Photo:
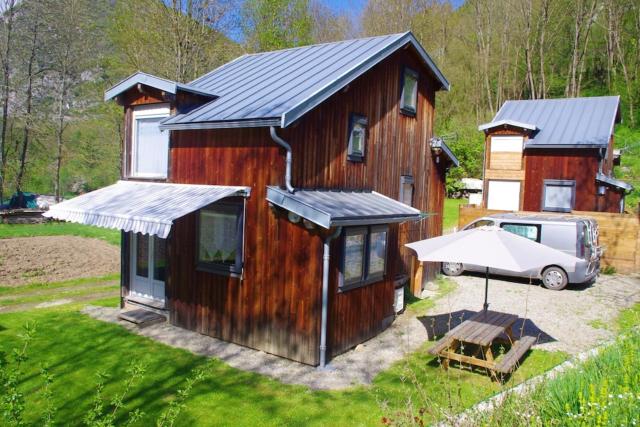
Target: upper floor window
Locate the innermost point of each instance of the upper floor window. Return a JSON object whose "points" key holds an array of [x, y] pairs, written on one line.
{"points": [[220, 237], [357, 137], [149, 146], [406, 190], [409, 97]]}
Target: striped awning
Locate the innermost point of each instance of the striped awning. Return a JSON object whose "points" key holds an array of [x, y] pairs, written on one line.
{"points": [[141, 207]]}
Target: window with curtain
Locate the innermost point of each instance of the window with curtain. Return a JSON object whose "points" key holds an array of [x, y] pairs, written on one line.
{"points": [[409, 96], [220, 237], [149, 145]]}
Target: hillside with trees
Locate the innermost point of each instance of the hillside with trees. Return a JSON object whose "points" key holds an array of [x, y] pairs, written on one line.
{"points": [[57, 136]]}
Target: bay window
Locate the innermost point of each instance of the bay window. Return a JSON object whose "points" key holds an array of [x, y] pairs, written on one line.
{"points": [[364, 256]]}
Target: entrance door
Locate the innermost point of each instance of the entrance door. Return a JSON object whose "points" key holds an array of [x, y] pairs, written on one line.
{"points": [[148, 267]]}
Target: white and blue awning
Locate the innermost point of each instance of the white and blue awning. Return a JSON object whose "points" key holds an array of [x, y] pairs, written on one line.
{"points": [[141, 207]]}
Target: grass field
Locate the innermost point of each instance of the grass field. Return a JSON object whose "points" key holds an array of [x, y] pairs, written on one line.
{"points": [[76, 347], [59, 229], [450, 216]]}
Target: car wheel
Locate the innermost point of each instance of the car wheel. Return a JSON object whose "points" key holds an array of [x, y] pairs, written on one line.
{"points": [[452, 268], [554, 278]]}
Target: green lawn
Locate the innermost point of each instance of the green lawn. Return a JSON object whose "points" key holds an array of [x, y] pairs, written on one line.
{"points": [[59, 229], [450, 216], [76, 347]]}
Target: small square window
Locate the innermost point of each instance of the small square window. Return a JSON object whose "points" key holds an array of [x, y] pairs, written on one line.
{"points": [[406, 190], [357, 138], [558, 195], [220, 237], [409, 95]]}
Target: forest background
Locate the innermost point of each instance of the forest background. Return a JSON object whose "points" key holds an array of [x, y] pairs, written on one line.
{"points": [[57, 57]]}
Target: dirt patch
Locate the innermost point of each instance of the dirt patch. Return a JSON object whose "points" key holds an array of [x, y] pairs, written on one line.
{"points": [[55, 258]]}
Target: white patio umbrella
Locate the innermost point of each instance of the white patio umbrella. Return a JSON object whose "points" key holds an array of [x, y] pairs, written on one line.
{"points": [[491, 247]]}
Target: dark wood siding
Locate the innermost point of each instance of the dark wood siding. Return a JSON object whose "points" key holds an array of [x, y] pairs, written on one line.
{"points": [[578, 165], [276, 305]]}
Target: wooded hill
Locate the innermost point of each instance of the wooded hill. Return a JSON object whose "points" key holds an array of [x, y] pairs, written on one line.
{"points": [[58, 57]]}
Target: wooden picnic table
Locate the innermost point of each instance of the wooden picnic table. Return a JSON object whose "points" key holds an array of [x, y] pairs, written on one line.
{"points": [[482, 329]]}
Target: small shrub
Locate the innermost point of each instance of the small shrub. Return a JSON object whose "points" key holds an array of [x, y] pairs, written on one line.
{"points": [[609, 270]]}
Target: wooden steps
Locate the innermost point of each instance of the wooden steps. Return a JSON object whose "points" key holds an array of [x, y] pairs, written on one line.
{"points": [[518, 350], [142, 317]]}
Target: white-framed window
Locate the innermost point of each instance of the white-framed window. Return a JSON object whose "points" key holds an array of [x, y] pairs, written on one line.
{"points": [[558, 195], [409, 96], [507, 144], [149, 145]]}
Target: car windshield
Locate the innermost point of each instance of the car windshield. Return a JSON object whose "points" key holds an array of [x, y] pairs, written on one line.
{"points": [[480, 223]]}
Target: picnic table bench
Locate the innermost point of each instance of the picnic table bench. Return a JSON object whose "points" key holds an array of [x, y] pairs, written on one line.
{"points": [[482, 329]]}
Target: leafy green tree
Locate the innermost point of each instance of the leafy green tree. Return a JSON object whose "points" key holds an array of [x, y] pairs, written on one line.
{"points": [[276, 24]]}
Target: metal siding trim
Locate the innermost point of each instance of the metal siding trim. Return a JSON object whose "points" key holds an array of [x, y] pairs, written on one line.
{"points": [[222, 125]]}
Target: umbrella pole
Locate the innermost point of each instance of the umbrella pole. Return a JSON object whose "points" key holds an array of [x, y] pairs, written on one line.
{"points": [[486, 289]]}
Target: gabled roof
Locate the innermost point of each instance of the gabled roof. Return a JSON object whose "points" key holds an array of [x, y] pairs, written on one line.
{"points": [[155, 82], [499, 123], [566, 122], [328, 208], [276, 88]]}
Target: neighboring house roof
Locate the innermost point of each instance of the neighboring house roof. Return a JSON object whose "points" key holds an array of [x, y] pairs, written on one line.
{"points": [[276, 88], [613, 182], [140, 207], [564, 123], [155, 82], [328, 208], [499, 123]]}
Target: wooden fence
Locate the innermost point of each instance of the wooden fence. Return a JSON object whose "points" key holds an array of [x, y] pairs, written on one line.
{"points": [[619, 235]]}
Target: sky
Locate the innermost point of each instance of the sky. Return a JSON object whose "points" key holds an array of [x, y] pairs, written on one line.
{"points": [[355, 6]]}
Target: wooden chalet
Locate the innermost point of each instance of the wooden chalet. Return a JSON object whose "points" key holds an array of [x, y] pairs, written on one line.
{"points": [[267, 202], [553, 155]]}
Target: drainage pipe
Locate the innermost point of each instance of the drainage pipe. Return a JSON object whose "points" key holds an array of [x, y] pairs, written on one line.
{"points": [[325, 294], [289, 159]]}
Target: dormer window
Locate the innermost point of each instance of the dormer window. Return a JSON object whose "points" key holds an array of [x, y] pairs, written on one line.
{"points": [[149, 146], [357, 138], [409, 96]]}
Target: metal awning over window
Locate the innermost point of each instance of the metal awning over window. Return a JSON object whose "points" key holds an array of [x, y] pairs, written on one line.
{"points": [[604, 179], [141, 207], [335, 208]]}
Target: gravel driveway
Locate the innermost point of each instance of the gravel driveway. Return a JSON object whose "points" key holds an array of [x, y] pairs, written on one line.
{"points": [[571, 320]]}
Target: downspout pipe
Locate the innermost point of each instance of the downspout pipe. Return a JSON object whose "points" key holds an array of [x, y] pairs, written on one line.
{"points": [[289, 159], [325, 295]]}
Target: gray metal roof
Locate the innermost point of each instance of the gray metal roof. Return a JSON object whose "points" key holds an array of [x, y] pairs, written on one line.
{"points": [[439, 143], [276, 88], [613, 182], [335, 208], [566, 122], [155, 82], [141, 207]]}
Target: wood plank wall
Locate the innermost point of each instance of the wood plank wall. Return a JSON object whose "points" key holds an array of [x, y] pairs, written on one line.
{"points": [[275, 307]]}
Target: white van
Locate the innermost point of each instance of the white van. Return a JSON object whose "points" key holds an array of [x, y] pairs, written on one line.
{"points": [[577, 236]]}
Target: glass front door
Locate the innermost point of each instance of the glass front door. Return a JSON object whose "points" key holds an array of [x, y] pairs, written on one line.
{"points": [[148, 267]]}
